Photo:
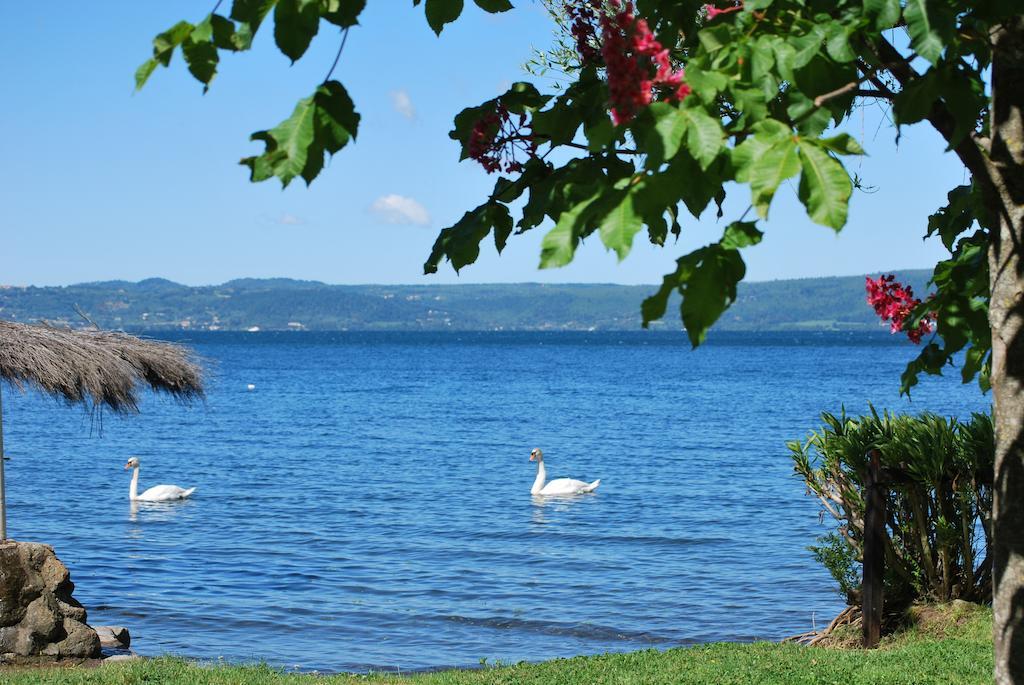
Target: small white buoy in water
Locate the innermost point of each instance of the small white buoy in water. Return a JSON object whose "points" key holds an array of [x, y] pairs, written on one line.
{"points": [[250, 387]]}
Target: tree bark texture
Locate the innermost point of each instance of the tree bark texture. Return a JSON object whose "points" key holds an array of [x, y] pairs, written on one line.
{"points": [[1006, 315], [874, 553]]}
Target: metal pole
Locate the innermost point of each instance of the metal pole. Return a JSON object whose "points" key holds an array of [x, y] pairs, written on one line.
{"points": [[3, 492]]}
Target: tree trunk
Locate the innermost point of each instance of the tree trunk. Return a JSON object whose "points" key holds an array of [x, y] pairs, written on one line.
{"points": [[1006, 315]]}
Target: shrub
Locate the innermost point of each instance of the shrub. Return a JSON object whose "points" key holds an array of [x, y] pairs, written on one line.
{"points": [[938, 501]]}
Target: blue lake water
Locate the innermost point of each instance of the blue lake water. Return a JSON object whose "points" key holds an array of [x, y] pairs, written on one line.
{"points": [[367, 506]]}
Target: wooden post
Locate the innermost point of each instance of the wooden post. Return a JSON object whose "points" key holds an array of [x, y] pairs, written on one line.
{"points": [[3, 493], [874, 552]]}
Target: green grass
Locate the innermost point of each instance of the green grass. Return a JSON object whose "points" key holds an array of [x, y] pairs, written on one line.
{"points": [[949, 644]]}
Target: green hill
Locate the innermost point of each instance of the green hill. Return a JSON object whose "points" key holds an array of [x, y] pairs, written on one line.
{"points": [[836, 303]]}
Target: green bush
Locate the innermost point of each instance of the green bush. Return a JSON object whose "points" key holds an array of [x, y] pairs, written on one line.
{"points": [[938, 503]]}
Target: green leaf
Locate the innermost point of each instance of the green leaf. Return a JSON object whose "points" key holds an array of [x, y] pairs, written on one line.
{"points": [[249, 14], [823, 75], [741, 234], [343, 13], [704, 136], [287, 145], [653, 308], [807, 45], [706, 83], [666, 135], [164, 43], [522, 97], [762, 56], [599, 132], [710, 290], [320, 124], [924, 36], [825, 187], [706, 278], [811, 119], [335, 122], [837, 42], [558, 124], [963, 91], [885, 12], [777, 163], [200, 53], [914, 102], [785, 58], [494, 6], [956, 217], [559, 245], [746, 153], [441, 12], [143, 73], [163, 49], [460, 243], [714, 38], [223, 33], [621, 224], [843, 144], [694, 186], [502, 221], [296, 22], [752, 102]]}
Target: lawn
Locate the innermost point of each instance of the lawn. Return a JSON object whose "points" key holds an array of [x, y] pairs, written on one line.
{"points": [[949, 644]]}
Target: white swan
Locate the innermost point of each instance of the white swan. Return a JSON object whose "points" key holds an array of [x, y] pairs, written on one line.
{"points": [[559, 486], [157, 493]]}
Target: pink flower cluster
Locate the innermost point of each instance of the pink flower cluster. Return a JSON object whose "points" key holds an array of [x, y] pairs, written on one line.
{"points": [[631, 54], [584, 18], [894, 302], [713, 11], [498, 139], [639, 68]]}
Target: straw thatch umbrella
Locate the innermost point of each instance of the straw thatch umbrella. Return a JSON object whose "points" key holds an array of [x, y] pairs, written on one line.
{"points": [[91, 367]]}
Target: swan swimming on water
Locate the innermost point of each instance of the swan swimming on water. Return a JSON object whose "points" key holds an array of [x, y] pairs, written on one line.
{"points": [[157, 493], [559, 486]]}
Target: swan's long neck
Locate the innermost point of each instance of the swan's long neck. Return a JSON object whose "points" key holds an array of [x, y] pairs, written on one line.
{"points": [[134, 492], [542, 476]]}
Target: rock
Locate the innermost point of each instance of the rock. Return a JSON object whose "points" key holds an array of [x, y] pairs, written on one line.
{"points": [[114, 636], [122, 657], [79, 640], [38, 615]]}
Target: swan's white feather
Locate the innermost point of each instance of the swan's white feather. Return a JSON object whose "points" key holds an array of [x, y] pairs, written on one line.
{"points": [[568, 486], [162, 493]]}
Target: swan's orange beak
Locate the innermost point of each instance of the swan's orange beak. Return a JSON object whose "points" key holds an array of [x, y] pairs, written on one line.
{"points": [[127, 466], [533, 456]]}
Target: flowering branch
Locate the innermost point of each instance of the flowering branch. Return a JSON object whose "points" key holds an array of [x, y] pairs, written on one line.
{"points": [[893, 301], [498, 140]]}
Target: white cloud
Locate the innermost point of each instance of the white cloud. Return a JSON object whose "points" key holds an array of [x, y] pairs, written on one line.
{"points": [[397, 209], [402, 103], [287, 219]]}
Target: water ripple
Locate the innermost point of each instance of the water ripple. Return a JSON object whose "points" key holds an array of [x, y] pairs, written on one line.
{"points": [[373, 495]]}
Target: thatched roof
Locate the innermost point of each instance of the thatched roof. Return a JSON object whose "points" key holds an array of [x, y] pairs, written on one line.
{"points": [[95, 367]]}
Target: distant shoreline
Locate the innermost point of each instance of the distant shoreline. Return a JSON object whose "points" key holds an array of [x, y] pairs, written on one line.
{"points": [[819, 304]]}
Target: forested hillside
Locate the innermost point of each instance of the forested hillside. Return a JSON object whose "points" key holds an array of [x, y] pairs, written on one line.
{"points": [[283, 304]]}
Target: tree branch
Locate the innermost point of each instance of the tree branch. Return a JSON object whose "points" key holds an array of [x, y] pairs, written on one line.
{"points": [[851, 87], [939, 116], [344, 37], [618, 151]]}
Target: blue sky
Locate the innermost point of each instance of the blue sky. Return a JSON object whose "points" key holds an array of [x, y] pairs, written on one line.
{"points": [[99, 183]]}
